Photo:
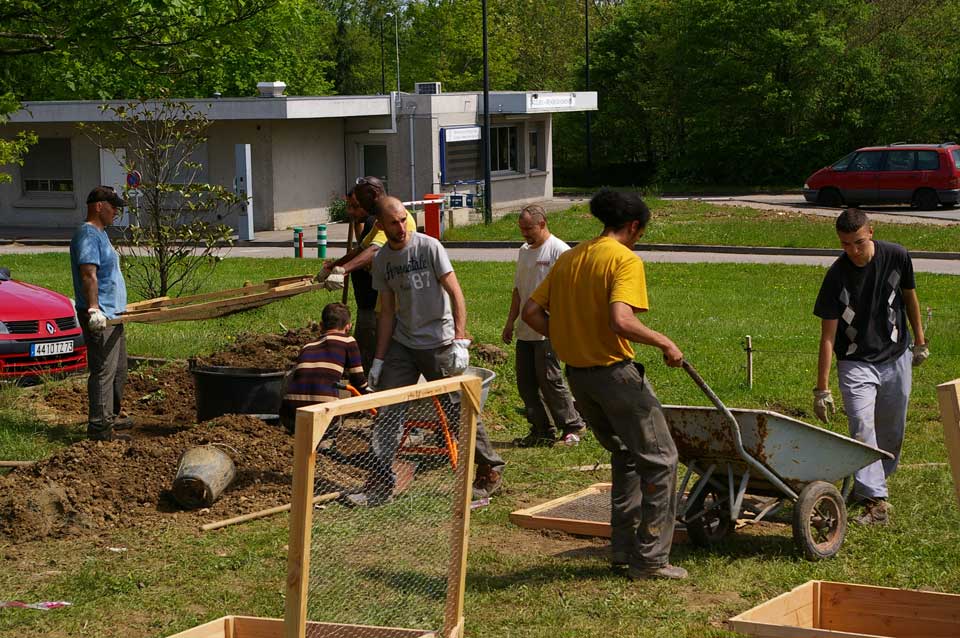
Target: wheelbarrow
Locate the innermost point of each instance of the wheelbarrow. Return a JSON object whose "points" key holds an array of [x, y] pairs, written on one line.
{"points": [[770, 457]]}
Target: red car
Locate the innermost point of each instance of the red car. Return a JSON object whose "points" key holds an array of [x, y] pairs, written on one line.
{"points": [[39, 332], [922, 175]]}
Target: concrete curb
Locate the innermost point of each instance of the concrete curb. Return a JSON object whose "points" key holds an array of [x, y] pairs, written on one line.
{"points": [[677, 248]]}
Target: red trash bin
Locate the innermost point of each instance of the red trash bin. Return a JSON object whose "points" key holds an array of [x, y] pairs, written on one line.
{"points": [[431, 214]]}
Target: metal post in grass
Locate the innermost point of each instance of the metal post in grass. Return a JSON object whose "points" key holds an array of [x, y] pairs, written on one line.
{"points": [[321, 241], [749, 349]]}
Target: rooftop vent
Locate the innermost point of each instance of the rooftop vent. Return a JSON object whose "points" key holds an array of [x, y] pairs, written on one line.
{"points": [[271, 89], [427, 88]]}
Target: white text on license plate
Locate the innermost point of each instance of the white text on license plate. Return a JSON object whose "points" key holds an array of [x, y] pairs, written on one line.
{"points": [[50, 348]]}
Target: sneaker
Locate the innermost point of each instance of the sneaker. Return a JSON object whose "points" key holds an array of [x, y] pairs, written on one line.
{"points": [[487, 482], [110, 436], [619, 559], [875, 512], [570, 439], [537, 439], [123, 423], [667, 572]]}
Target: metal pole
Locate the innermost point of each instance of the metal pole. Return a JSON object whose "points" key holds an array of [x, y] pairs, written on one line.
{"points": [[396, 31], [383, 81], [749, 362], [586, 46], [487, 183]]}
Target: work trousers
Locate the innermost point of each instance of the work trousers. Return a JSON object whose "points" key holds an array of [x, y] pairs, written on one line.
{"points": [[624, 414], [365, 332], [107, 364], [875, 397], [542, 389], [403, 366]]}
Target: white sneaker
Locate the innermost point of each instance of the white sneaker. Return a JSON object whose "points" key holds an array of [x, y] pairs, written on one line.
{"points": [[570, 439]]}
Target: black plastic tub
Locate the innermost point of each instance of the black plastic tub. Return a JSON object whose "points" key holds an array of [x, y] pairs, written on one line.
{"points": [[222, 390]]}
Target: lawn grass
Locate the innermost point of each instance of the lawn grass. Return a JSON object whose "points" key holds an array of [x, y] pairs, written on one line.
{"points": [[521, 583], [692, 222]]}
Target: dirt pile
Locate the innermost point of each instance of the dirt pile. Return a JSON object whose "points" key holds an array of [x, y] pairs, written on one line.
{"points": [[94, 486], [264, 351]]}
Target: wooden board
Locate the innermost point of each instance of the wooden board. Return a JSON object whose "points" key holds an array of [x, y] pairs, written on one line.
{"points": [[216, 304], [541, 517], [821, 609], [251, 627], [949, 396]]}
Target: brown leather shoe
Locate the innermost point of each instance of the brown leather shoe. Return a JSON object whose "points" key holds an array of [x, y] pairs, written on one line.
{"points": [[667, 572], [875, 512], [487, 482]]}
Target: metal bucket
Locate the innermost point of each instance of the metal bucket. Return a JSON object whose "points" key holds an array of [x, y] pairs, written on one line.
{"points": [[203, 473]]}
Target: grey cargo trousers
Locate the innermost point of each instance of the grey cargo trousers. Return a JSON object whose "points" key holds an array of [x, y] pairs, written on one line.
{"points": [[626, 417]]}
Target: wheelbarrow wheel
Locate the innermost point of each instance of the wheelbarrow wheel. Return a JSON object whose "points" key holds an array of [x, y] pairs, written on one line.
{"points": [[708, 518], [819, 521]]}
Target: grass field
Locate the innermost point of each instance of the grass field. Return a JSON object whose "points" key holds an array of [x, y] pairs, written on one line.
{"points": [[520, 583], [690, 222]]}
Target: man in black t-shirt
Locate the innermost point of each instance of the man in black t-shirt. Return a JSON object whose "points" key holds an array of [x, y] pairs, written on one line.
{"points": [[865, 302]]}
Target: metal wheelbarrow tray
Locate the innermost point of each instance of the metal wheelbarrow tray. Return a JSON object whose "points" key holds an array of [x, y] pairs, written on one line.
{"points": [[734, 452]]}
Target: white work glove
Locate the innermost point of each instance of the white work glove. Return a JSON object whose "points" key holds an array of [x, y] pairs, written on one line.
{"points": [[461, 355], [97, 320], [373, 379], [334, 280], [920, 353], [823, 404]]}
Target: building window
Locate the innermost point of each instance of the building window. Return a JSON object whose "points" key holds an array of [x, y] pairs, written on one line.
{"points": [[503, 149], [48, 167], [536, 151]]}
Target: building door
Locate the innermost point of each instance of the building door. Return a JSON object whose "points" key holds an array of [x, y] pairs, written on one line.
{"points": [[113, 173], [375, 162]]}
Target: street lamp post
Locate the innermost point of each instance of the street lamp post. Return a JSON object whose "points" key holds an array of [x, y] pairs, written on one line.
{"points": [[586, 47], [487, 182], [383, 83], [396, 31]]}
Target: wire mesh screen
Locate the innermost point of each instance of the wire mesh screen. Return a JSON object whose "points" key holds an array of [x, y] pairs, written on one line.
{"points": [[384, 553], [592, 506]]}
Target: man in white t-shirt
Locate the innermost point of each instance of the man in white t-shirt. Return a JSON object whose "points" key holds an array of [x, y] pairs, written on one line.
{"points": [[539, 378]]}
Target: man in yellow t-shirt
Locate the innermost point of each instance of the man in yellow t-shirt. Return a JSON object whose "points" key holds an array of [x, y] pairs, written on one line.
{"points": [[587, 306]]}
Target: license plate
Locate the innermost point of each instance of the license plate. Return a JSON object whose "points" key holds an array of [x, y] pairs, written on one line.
{"points": [[50, 348]]}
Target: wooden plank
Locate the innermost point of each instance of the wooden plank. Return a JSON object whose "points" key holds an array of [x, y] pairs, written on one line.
{"points": [[453, 622], [320, 498], [156, 302], [16, 463], [765, 630], [213, 629], [889, 612], [387, 397], [301, 520], [251, 627], [785, 605], [948, 395]]}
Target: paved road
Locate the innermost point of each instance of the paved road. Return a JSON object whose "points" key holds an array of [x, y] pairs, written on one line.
{"points": [[894, 214], [940, 266]]}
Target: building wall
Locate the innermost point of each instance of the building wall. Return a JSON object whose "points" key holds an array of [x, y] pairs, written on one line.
{"points": [[308, 170], [54, 210]]}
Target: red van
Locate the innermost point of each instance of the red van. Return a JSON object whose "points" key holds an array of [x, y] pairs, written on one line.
{"points": [[922, 175]]}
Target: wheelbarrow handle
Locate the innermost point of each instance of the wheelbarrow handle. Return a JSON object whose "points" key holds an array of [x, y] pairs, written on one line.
{"points": [[735, 429], [705, 388]]}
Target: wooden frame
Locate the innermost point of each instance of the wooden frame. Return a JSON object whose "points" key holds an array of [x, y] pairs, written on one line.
{"points": [[216, 304], [823, 609], [250, 627], [311, 424], [536, 517], [949, 396]]}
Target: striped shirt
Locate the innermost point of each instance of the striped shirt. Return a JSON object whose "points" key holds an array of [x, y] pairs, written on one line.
{"points": [[321, 365]]}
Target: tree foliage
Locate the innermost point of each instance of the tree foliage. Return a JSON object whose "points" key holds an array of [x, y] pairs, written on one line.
{"points": [[12, 150], [174, 230]]}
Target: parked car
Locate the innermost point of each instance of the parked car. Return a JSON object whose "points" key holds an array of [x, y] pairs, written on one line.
{"points": [[39, 332], [922, 175]]}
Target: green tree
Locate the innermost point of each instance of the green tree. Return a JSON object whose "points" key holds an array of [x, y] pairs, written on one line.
{"points": [[174, 234], [12, 150]]}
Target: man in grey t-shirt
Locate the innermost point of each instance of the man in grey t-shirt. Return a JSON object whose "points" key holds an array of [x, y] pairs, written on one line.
{"points": [[422, 329]]}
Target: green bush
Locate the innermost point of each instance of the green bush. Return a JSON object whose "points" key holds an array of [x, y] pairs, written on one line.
{"points": [[338, 209]]}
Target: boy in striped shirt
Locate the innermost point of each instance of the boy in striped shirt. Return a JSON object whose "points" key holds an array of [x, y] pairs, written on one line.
{"points": [[322, 364]]}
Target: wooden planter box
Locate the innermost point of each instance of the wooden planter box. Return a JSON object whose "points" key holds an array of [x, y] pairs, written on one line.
{"points": [[249, 627], [821, 609]]}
